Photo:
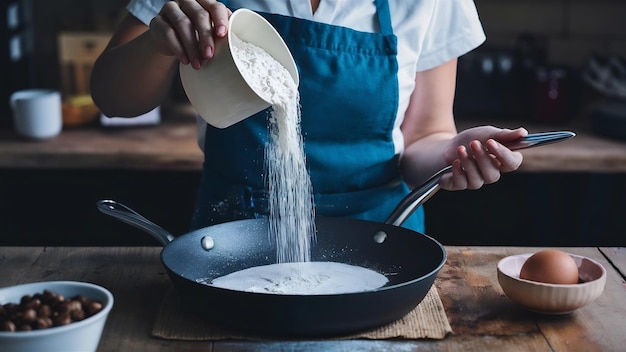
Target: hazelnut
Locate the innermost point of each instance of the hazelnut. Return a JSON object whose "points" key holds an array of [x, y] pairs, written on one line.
{"points": [[45, 310], [62, 319], [29, 315], [93, 307], [8, 326], [43, 323]]}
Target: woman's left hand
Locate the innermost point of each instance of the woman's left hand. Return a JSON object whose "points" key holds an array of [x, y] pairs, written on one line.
{"points": [[478, 156]]}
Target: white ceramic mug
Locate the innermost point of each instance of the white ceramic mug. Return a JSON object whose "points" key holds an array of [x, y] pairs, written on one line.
{"points": [[37, 113]]}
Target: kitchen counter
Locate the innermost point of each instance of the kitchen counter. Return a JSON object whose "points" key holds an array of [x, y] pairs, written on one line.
{"points": [[481, 316], [171, 145]]}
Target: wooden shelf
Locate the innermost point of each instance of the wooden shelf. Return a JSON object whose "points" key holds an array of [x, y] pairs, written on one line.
{"points": [[172, 145]]}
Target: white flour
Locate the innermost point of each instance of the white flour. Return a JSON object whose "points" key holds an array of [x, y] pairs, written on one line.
{"points": [[291, 208], [292, 214], [312, 278]]}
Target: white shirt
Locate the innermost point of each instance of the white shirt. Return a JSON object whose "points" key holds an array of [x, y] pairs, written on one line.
{"points": [[430, 32]]}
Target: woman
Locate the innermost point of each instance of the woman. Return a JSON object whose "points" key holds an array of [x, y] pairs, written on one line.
{"points": [[377, 83]]}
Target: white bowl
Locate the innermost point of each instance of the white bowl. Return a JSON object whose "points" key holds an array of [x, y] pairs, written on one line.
{"points": [[547, 298], [81, 336], [218, 91]]}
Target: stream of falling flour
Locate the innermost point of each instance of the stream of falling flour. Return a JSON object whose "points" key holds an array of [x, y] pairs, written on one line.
{"points": [[291, 205], [291, 208]]}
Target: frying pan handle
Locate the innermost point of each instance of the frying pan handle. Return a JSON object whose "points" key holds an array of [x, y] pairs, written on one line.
{"points": [[131, 217], [417, 197], [420, 195]]}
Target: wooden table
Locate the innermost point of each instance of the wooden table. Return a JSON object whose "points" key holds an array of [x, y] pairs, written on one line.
{"points": [[483, 319], [172, 145]]}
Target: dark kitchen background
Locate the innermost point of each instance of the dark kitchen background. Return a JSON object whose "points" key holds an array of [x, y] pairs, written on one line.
{"points": [[536, 50]]}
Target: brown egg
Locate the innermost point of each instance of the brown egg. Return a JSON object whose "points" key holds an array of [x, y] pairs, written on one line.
{"points": [[551, 266]]}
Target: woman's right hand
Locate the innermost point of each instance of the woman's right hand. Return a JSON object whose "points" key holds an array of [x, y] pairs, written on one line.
{"points": [[187, 29]]}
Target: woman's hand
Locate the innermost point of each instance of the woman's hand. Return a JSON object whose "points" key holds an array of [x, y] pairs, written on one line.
{"points": [[135, 72], [478, 156], [187, 29]]}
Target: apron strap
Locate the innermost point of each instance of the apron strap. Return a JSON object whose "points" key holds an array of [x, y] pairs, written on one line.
{"points": [[382, 12], [384, 17]]}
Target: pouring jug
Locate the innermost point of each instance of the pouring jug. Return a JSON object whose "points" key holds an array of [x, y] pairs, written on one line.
{"points": [[218, 90]]}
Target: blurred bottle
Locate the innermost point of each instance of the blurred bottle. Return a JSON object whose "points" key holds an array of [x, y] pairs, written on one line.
{"points": [[530, 53], [550, 95], [484, 81], [16, 54]]}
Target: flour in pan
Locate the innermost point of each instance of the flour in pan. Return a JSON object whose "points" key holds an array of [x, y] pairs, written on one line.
{"points": [[310, 278]]}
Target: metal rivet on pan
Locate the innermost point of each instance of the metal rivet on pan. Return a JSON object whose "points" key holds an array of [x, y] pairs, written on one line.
{"points": [[380, 237], [207, 242]]}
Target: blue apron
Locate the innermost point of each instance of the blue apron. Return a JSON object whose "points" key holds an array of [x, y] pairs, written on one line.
{"points": [[349, 101]]}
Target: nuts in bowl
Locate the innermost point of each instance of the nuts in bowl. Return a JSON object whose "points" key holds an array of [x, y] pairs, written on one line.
{"points": [[53, 315], [551, 298]]}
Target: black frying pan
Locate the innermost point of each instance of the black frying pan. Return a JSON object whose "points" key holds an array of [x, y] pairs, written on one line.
{"points": [[411, 262]]}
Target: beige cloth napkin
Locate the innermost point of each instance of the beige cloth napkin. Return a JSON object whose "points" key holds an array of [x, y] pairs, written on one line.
{"points": [[427, 321]]}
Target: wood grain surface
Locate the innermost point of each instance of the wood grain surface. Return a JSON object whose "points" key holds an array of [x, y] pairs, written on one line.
{"points": [[482, 317]]}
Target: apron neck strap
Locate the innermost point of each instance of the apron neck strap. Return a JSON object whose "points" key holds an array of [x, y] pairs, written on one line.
{"points": [[384, 16], [382, 11]]}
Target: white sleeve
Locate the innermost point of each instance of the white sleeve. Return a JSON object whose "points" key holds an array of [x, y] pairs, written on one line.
{"points": [[145, 10], [454, 30]]}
